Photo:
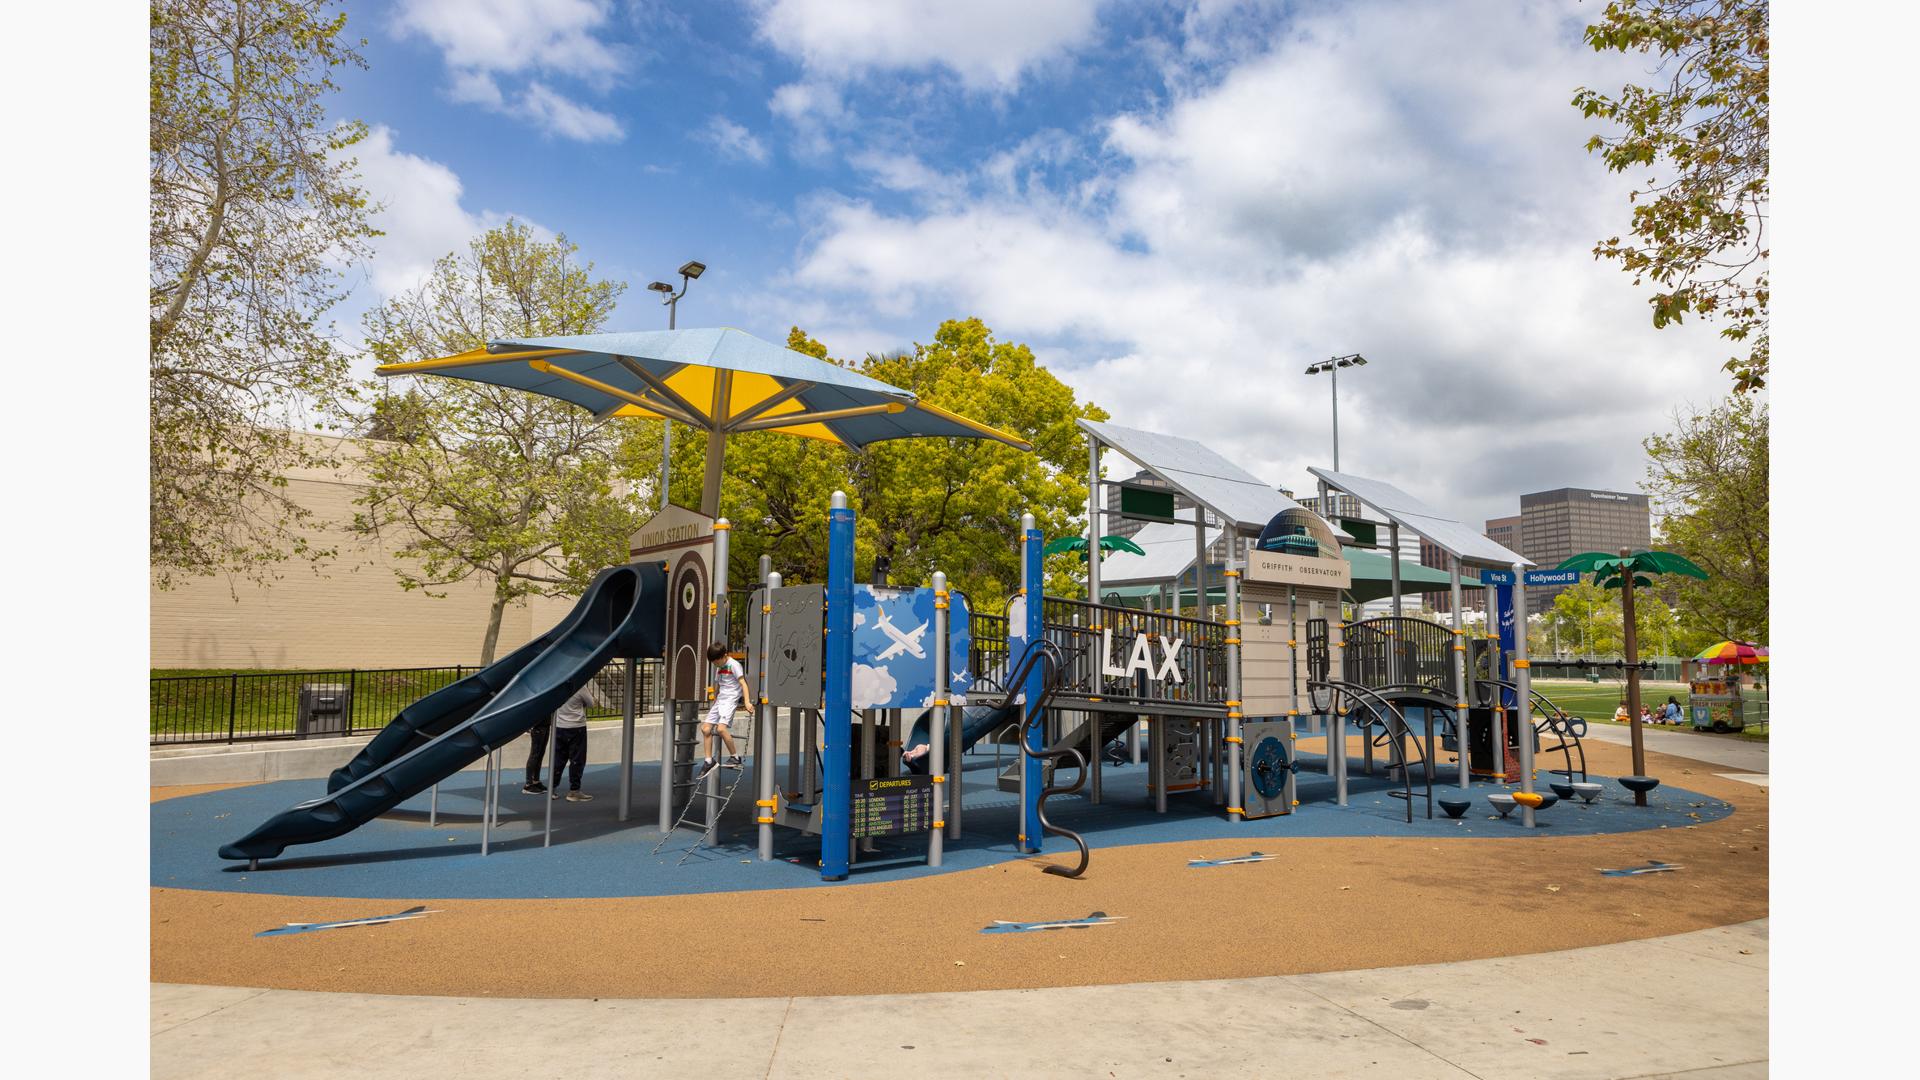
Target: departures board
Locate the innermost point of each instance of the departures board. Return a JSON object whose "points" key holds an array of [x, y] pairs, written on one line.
{"points": [[890, 806]]}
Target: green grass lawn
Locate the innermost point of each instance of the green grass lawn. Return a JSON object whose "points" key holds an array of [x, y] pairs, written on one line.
{"points": [[1595, 702]]}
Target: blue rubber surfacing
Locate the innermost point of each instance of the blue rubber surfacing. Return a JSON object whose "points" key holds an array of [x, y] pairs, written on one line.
{"points": [[401, 857]]}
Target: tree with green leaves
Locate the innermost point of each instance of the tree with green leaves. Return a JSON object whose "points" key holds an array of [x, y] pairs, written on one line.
{"points": [[1709, 479], [1699, 223], [472, 481], [252, 209], [921, 504]]}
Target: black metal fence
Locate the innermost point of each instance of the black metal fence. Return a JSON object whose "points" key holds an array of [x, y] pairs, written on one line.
{"points": [[239, 707]]}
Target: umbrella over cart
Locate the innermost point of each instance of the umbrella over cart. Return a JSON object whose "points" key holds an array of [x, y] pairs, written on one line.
{"points": [[1732, 652]]}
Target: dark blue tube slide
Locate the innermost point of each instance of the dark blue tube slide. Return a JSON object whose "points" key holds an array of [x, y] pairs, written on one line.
{"points": [[622, 614], [976, 723], [438, 712]]}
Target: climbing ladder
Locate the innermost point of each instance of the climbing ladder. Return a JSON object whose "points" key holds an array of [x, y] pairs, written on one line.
{"points": [[717, 807]]}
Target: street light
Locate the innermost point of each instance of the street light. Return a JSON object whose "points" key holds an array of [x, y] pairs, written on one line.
{"points": [[689, 271], [1332, 366]]}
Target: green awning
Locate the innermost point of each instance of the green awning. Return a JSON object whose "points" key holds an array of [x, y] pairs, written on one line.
{"points": [[1372, 580], [1373, 576]]}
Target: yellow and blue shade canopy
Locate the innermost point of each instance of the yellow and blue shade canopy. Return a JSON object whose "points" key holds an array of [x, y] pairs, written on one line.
{"points": [[721, 381]]}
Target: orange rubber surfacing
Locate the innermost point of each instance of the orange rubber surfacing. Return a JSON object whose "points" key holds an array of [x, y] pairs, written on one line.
{"points": [[1324, 904]]}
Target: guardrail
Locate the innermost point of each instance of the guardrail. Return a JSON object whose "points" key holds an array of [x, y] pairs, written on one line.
{"points": [[185, 710]]}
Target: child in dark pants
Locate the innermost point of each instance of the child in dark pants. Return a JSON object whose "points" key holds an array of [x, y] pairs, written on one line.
{"points": [[536, 758], [570, 743]]}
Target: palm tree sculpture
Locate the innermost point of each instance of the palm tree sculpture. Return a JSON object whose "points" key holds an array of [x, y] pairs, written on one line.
{"points": [[1108, 545], [1627, 571]]}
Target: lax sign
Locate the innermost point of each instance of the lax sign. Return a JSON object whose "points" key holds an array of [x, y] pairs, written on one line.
{"points": [[1139, 658]]}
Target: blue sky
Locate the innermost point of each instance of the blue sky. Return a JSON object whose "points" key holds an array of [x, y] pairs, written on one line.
{"points": [[1178, 206]]}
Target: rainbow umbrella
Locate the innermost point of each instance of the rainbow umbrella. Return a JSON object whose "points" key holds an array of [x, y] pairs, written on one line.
{"points": [[1733, 652]]}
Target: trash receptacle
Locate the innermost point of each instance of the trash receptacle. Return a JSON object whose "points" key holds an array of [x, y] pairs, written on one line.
{"points": [[323, 709]]}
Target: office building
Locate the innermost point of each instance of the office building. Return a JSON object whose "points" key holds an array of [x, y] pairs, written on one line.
{"points": [[1558, 524]]}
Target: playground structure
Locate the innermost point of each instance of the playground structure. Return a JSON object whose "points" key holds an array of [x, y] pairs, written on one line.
{"points": [[886, 689]]}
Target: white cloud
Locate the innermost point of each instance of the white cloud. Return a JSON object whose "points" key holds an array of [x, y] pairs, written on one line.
{"points": [[1407, 182], [733, 141], [560, 115], [421, 213], [513, 35], [987, 44], [484, 41], [872, 686]]}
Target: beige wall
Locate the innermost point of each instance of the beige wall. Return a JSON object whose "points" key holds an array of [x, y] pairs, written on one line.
{"points": [[352, 613], [1266, 677]]}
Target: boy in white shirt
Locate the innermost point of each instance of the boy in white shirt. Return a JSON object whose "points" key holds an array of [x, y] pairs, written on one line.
{"points": [[728, 688], [570, 742]]}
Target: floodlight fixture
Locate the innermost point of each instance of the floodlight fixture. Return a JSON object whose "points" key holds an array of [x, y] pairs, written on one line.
{"points": [[661, 287], [693, 269], [1332, 366]]}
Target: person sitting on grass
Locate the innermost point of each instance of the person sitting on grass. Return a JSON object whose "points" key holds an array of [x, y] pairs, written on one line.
{"points": [[1620, 715], [727, 691]]}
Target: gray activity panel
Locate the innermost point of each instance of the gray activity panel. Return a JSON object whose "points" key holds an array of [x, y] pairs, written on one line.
{"points": [[796, 647], [1268, 787]]}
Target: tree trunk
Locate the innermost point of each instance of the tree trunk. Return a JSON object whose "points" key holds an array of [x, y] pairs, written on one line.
{"points": [[493, 628], [1633, 677], [501, 578]]}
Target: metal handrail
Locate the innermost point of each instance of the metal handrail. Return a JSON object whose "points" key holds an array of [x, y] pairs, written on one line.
{"points": [[1355, 690], [1559, 722], [1049, 653]]}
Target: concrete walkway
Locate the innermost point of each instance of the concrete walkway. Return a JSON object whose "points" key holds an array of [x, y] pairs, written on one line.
{"points": [[1741, 754], [1692, 1004]]}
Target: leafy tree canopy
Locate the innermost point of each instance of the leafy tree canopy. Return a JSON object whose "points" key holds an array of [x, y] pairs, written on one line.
{"points": [[1699, 223], [252, 209], [486, 482], [1709, 481]]}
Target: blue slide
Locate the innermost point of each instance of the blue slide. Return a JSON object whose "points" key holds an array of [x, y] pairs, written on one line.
{"points": [[622, 614], [438, 712], [976, 722]]}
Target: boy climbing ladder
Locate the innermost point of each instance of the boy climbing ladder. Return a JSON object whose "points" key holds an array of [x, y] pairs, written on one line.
{"points": [[727, 690]]}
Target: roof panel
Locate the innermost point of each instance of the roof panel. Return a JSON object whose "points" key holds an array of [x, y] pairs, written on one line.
{"points": [[1199, 473], [1453, 536], [1169, 552]]}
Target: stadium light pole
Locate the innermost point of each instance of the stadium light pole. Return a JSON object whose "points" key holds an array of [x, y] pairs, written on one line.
{"points": [[689, 272], [1332, 367]]}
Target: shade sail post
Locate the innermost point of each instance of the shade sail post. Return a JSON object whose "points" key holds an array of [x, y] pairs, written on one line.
{"points": [[716, 444]]}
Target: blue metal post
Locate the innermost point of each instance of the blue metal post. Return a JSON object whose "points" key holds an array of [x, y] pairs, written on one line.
{"points": [[1036, 735], [836, 755]]}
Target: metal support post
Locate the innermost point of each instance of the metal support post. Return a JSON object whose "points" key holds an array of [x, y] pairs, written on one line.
{"points": [[669, 721], [937, 729], [766, 720], [836, 832], [1199, 562], [1157, 763], [1032, 777], [433, 807], [1523, 680], [629, 722], [1393, 541], [1093, 597], [1236, 809], [717, 630], [553, 785], [1462, 699], [486, 802]]}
